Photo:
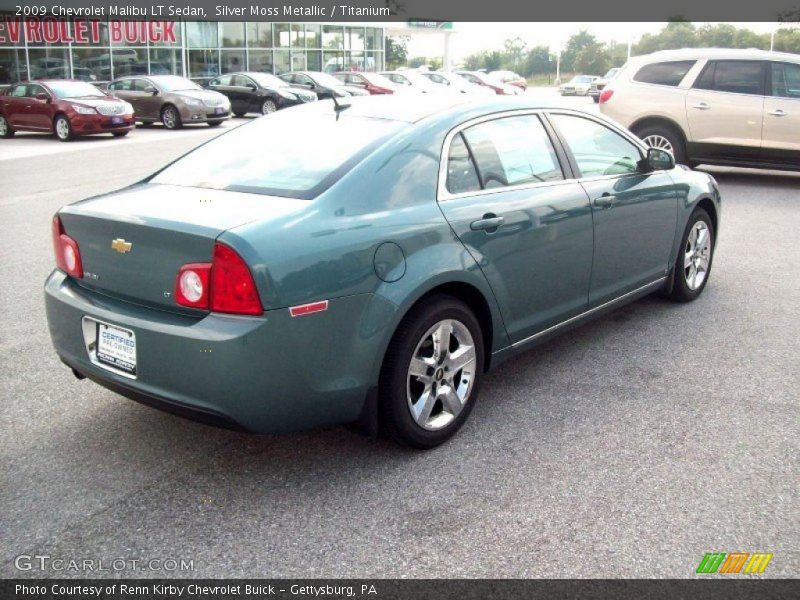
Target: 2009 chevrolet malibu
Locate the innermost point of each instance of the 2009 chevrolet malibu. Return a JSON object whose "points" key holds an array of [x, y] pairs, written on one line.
{"points": [[374, 275]]}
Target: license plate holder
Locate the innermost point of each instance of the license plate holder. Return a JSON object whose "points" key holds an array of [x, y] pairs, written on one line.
{"points": [[219, 110], [116, 120], [115, 347]]}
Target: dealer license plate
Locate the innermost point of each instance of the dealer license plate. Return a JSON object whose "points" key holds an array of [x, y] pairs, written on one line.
{"points": [[116, 347], [116, 120], [219, 110]]}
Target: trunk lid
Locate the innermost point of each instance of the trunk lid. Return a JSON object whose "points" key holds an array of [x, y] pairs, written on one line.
{"points": [[166, 226]]}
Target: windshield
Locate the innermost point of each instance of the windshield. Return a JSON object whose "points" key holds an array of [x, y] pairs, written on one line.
{"points": [[325, 80], [582, 79], [74, 89], [176, 84], [611, 73], [377, 79], [292, 165], [267, 80]]}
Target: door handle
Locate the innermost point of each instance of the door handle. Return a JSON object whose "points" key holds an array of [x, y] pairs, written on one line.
{"points": [[489, 223], [701, 106], [604, 201], [778, 113]]}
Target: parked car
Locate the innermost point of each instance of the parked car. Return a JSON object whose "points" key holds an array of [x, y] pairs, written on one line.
{"points": [[323, 85], [717, 107], [599, 84], [577, 86], [455, 83], [497, 86], [510, 78], [173, 100], [259, 92], [412, 80], [373, 83], [374, 271], [68, 108]]}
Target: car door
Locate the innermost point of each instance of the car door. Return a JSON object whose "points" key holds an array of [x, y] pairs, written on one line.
{"points": [[123, 89], [244, 93], [724, 110], [39, 109], [634, 210], [781, 132], [15, 105], [225, 85], [148, 102], [506, 194]]}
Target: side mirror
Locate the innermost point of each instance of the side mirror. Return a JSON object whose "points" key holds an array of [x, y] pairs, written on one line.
{"points": [[659, 160], [42, 96], [252, 87], [151, 90]]}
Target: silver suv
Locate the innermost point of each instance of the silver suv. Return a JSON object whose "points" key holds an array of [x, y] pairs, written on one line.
{"points": [[710, 106]]}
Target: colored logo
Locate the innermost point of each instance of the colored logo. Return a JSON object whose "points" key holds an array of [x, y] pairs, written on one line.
{"points": [[734, 562], [121, 246]]}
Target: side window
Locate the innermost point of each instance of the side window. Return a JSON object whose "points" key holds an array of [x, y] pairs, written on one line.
{"points": [[33, 90], [461, 174], [597, 149], [734, 76], [123, 85], [439, 79], [138, 85], [664, 73], [18, 91], [225, 80], [513, 151], [235, 81], [785, 80], [305, 80]]}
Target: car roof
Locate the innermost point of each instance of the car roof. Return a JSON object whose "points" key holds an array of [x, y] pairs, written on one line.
{"points": [[716, 53]]}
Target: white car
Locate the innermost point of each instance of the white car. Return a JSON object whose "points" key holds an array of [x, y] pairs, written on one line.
{"points": [[457, 84], [413, 80], [577, 86]]}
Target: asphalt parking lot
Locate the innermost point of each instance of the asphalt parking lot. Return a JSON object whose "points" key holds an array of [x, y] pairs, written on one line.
{"points": [[627, 448]]}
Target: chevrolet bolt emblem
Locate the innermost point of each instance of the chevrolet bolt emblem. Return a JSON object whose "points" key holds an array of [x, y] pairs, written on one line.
{"points": [[121, 246]]}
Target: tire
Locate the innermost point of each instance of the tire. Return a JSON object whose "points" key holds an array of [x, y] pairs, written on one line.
{"points": [[63, 128], [120, 133], [450, 382], [596, 99], [5, 128], [146, 124], [214, 123], [171, 117], [666, 138], [687, 281], [239, 114], [268, 107]]}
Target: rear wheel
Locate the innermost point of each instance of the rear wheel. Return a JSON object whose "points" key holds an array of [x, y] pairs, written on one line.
{"points": [[119, 133], [693, 264], [5, 128], [432, 372], [664, 138], [239, 114], [214, 123], [63, 129], [596, 99], [170, 117]]}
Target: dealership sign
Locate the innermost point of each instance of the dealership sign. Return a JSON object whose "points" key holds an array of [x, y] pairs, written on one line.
{"points": [[84, 31]]}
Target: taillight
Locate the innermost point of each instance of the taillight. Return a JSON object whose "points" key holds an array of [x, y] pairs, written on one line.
{"points": [[68, 255], [223, 285], [605, 95]]}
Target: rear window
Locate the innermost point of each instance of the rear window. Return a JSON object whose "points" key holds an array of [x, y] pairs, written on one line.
{"points": [[297, 153], [664, 73]]}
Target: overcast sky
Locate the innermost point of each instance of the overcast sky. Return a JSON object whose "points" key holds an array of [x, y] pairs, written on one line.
{"points": [[473, 37]]}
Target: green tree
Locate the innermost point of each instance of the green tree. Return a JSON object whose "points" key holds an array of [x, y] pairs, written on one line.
{"points": [[592, 60], [537, 61], [396, 51], [514, 53], [575, 44]]}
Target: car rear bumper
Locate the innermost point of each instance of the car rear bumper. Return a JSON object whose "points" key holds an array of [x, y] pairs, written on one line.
{"points": [[269, 374]]}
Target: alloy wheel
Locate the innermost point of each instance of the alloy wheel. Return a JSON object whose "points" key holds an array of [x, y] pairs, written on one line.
{"points": [[660, 142], [268, 107], [3, 127], [169, 118], [697, 255], [62, 128], [441, 374]]}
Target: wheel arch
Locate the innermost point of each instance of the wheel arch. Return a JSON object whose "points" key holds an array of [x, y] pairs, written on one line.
{"points": [[708, 205], [648, 121]]}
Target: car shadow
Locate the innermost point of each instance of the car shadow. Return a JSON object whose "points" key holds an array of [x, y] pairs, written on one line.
{"points": [[761, 178]]}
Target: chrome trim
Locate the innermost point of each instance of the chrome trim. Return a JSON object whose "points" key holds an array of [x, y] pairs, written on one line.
{"points": [[586, 313]]}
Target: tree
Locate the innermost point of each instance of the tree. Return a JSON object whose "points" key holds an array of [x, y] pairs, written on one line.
{"points": [[514, 53], [396, 51], [537, 61], [575, 44], [592, 60]]}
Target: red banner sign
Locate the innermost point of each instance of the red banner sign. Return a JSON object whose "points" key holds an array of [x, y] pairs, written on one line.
{"points": [[84, 31]]}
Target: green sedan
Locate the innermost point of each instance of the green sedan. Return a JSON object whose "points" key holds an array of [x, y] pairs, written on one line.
{"points": [[368, 262]]}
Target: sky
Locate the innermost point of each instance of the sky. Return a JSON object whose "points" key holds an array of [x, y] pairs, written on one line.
{"points": [[474, 37]]}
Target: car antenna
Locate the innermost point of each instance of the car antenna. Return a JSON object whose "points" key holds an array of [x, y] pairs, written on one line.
{"points": [[339, 106]]}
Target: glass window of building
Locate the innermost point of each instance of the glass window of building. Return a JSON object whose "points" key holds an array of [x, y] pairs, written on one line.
{"points": [[260, 60], [203, 64], [298, 36], [374, 41], [314, 60], [333, 61], [91, 64], [166, 61], [129, 33], [314, 36], [13, 66], [299, 62], [259, 35], [333, 37], [356, 36], [48, 63], [282, 62], [281, 35], [232, 35], [232, 60], [200, 34], [129, 61]]}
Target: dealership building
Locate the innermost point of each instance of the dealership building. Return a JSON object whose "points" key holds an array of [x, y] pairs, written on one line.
{"points": [[100, 50]]}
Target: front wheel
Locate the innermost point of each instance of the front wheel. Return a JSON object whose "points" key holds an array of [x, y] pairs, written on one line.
{"points": [[5, 128], [63, 129], [119, 133], [214, 123], [171, 118], [432, 372], [268, 106], [693, 264]]}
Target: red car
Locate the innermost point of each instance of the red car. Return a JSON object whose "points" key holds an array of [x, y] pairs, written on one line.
{"points": [[495, 85], [65, 107], [372, 82], [510, 78]]}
